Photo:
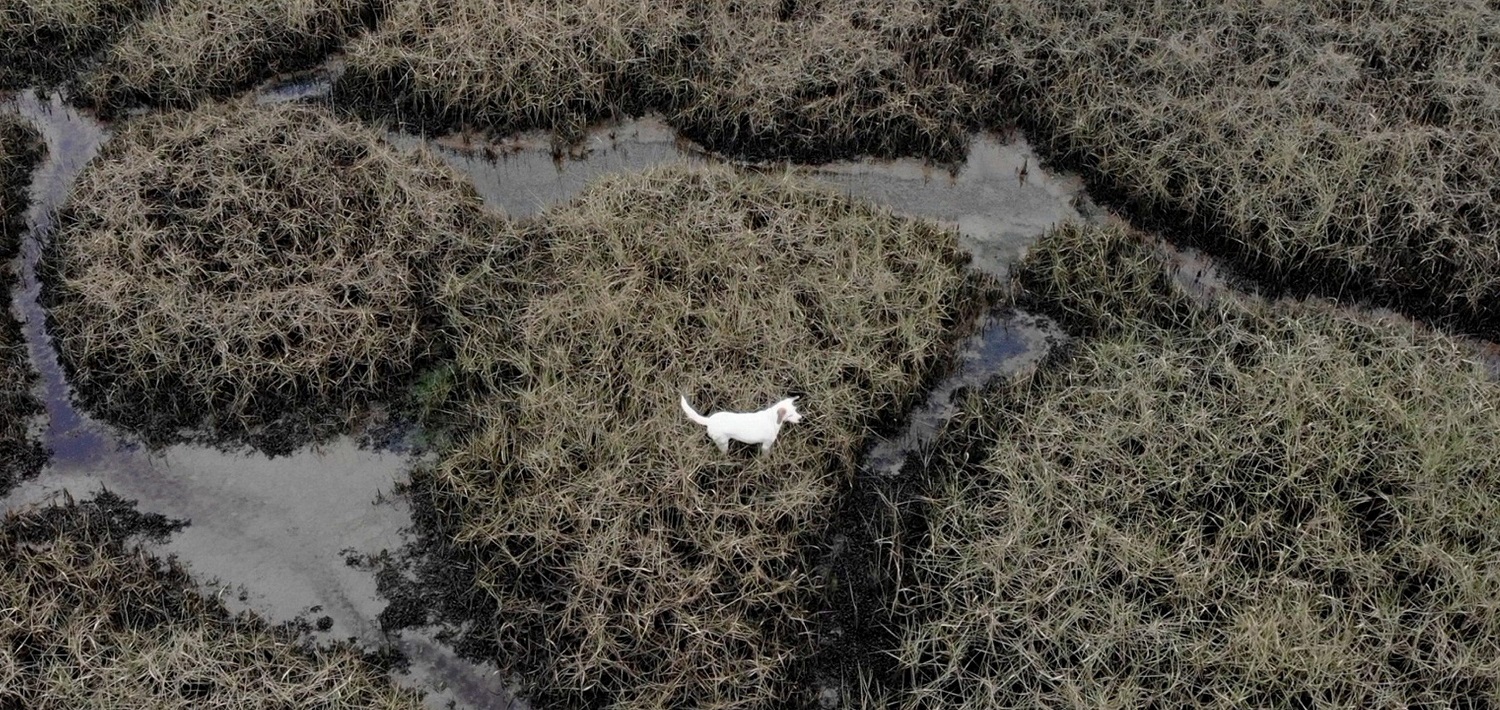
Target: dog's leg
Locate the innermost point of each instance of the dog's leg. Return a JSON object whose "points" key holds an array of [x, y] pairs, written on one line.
{"points": [[765, 448], [723, 444]]}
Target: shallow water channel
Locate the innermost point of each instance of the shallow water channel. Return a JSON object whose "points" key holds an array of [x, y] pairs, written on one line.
{"points": [[273, 534]]}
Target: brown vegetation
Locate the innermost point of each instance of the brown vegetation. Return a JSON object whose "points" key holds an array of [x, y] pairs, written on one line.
{"points": [[229, 263], [1332, 147], [44, 39], [633, 564], [1210, 505], [190, 50], [92, 622], [764, 78]]}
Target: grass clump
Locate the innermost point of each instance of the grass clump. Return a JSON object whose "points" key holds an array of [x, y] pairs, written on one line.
{"points": [[632, 564], [20, 454], [44, 39], [190, 50], [1331, 147], [91, 622], [512, 65], [1210, 505], [822, 80], [229, 263], [762, 79]]}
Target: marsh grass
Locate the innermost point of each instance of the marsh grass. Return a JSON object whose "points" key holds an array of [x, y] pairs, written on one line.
{"points": [[20, 454], [632, 564], [191, 50], [91, 621], [45, 39], [1330, 147], [1335, 148], [512, 65], [1212, 504], [231, 263], [760, 79]]}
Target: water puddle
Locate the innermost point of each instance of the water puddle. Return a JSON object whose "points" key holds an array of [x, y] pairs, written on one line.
{"points": [[267, 534], [275, 535]]}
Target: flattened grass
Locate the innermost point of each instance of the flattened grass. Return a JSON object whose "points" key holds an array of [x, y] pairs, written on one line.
{"points": [[43, 39], [92, 622], [762, 79], [1331, 147], [230, 263], [634, 565], [20, 455], [1210, 505], [191, 50]]}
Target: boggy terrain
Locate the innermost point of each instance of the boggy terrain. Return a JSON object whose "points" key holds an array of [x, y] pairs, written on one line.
{"points": [[1213, 503], [1207, 504], [20, 453]]}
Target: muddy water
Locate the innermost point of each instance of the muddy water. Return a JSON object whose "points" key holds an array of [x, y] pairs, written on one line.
{"points": [[273, 534]]}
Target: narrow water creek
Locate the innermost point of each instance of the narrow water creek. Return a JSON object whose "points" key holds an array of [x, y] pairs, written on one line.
{"points": [[273, 534]]}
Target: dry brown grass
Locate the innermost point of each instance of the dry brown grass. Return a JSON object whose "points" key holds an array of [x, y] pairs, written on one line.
{"points": [[190, 50], [228, 263], [44, 39], [821, 79], [1342, 148], [763, 78], [633, 564], [513, 64], [1211, 505], [20, 454], [92, 622], [1333, 147]]}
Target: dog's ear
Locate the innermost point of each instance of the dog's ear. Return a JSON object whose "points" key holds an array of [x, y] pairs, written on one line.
{"points": [[780, 415]]}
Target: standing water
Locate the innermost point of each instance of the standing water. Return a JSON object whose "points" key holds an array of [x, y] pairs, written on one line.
{"points": [[276, 532]]}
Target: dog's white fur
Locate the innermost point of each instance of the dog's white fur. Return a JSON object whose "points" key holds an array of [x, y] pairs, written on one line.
{"points": [[750, 427]]}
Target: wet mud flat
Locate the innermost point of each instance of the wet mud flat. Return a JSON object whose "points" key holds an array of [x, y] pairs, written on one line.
{"points": [[278, 535]]}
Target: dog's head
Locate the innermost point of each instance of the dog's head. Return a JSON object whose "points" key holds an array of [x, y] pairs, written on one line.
{"points": [[786, 411]]}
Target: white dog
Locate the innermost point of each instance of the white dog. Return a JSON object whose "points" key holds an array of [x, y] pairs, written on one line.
{"points": [[750, 427]]}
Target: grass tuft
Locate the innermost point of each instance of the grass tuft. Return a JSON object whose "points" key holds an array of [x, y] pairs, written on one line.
{"points": [[20, 454], [1268, 505], [229, 263], [1331, 147], [93, 622], [191, 50], [634, 565], [46, 39], [760, 79]]}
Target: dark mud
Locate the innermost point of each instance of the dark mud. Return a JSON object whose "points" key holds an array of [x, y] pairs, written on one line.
{"points": [[21, 450]]}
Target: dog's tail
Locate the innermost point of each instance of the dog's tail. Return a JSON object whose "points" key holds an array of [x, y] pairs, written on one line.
{"points": [[692, 414]]}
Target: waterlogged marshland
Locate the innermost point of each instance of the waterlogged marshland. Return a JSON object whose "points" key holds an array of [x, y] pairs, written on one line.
{"points": [[272, 535], [1216, 500]]}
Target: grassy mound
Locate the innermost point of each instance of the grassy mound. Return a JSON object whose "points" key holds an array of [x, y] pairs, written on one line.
{"points": [[43, 39], [91, 623], [1332, 147], [193, 49], [235, 261], [1220, 505], [764, 78], [512, 65], [633, 564], [20, 149], [823, 80]]}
